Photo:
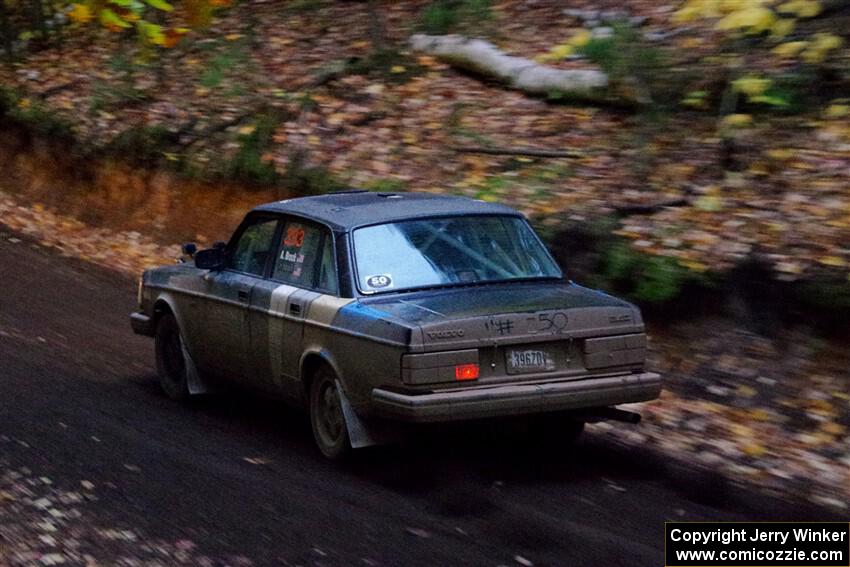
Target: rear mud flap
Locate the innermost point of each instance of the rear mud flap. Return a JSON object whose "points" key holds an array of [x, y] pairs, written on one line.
{"points": [[366, 433]]}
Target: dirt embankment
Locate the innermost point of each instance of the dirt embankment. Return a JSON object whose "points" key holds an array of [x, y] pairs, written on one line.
{"points": [[113, 196]]}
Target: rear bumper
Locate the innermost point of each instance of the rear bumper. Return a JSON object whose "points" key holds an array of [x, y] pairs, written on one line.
{"points": [[142, 324], [520, 399]]}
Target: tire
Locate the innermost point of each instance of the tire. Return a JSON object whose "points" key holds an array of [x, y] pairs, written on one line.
{"points": [[170, 362], [330, 430]]}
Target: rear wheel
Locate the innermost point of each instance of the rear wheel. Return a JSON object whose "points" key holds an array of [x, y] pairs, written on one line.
{"points": [[170, 361], [326, 416]]}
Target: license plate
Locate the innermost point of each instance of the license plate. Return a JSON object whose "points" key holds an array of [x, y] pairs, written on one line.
{"points": [[522, 361]]}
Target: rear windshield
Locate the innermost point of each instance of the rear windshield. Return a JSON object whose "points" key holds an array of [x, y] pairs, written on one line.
{"points": [[449, 251]]}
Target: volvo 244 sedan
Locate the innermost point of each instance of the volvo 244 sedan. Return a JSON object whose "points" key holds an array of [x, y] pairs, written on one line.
{"points": [[378, 308]]}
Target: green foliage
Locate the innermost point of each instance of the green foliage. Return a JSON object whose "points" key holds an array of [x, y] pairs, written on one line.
{"points": [[445, 16], [826, 293], [224, 65], [438, 18], [121, 64], [388, 64], [248, 163], [645, 277], [310, 180], [35, 115], [212, 76], [661, 280], [388, 185], [142, 145], [107, 96], [631, 63], [305, 5]]}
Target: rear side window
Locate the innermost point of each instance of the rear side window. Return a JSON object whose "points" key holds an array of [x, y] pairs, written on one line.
{"points": [[306, 258], [253, 247]]}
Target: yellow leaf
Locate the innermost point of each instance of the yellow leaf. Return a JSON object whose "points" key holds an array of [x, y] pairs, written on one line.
{"points": [[694, 266], [780, 154], [790, 49], [247, 130], [580, 38], [837, 111], [746, 391], [81, 14], [397, 69], [759, 415], [833, 428], [834, 261], [751, 85], [336, 118], [24, 103], [827, 41], [736, 120], [686, 14], [754, 450], [233, 36], [801, 8], [753, 19], [558, 52], [693, 9], [782, 27]]}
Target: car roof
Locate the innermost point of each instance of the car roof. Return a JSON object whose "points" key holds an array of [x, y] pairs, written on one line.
{"points": [[345, 210]]}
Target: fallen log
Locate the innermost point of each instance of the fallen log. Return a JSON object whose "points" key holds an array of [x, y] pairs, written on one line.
{"points": [[484, 58], [651, 208]]}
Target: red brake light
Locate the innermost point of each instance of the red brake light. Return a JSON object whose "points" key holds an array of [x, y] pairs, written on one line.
{"points": [[466, 372]]}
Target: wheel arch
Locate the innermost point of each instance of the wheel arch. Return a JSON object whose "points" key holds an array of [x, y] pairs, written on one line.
{"points": [[312, 359], [165, 304]]}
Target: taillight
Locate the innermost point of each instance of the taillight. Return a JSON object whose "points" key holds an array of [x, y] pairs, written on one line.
{"points": [[466, 372]]}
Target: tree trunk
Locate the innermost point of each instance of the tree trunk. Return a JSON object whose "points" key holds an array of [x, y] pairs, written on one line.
{"points": [[38, 21], [6, 30], [376, 26], [484, 58]]}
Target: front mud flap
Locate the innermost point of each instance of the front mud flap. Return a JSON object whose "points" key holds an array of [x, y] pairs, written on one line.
{"points": [[194, 382], [366, 433]]}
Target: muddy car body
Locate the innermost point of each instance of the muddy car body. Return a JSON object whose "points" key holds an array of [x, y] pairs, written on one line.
{"points": [[374, 308]]}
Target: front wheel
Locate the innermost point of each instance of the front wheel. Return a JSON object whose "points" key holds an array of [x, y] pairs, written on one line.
{"points": [[326, 416], [170, 360]]}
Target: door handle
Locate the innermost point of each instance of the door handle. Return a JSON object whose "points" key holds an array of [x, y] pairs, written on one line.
{"points": [[295, 309], [242, 294]]}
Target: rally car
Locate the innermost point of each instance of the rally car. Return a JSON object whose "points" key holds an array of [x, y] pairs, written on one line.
{"points": [[373, 309]]}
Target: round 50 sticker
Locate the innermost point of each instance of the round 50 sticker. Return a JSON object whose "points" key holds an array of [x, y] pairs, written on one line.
{"points": [[380, 281]]}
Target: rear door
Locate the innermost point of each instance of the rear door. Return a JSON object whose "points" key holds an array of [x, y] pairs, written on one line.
{"points": [[303, 270], [226, 347]]}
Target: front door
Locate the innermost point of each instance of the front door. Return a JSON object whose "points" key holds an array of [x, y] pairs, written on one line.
{"points": [[225, 352]]}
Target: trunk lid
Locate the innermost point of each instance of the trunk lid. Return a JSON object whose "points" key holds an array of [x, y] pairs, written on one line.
{"points": [[488, 316]]}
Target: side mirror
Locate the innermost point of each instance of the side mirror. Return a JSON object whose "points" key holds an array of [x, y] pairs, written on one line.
{"points": [[189, 249], [210, 259]]}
